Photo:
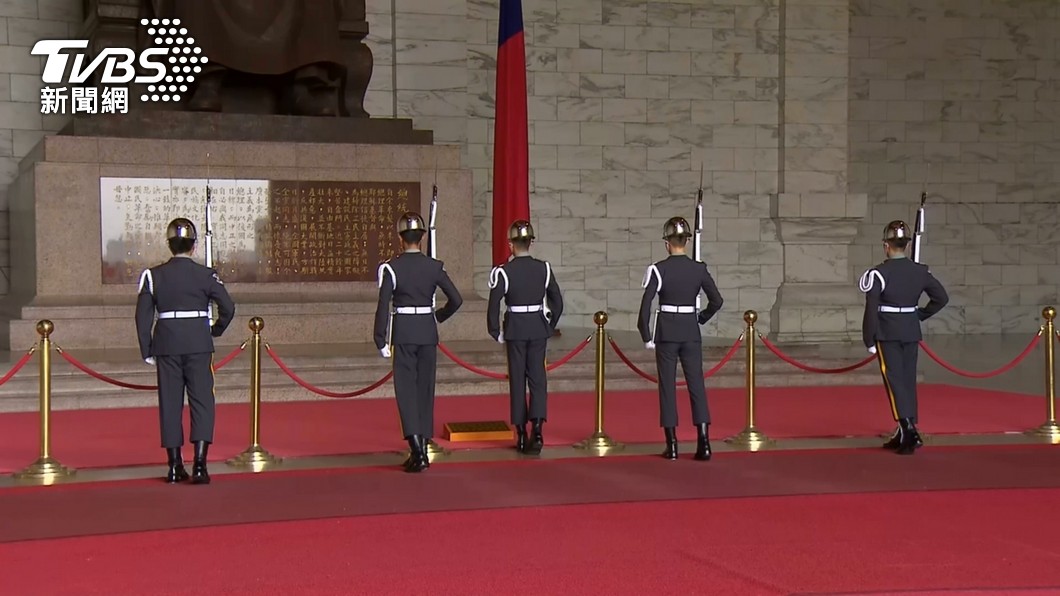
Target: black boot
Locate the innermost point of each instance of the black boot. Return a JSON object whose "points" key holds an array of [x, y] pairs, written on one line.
{"points": [[702, 442], [199, 475], [537, 441], [895, 440], [177, 473], [909, 438], [417, 455], [520, 438], [425, 452], [671, 444]]}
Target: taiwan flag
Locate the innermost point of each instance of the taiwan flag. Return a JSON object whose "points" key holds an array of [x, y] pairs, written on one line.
{"points": [[511, 153]]}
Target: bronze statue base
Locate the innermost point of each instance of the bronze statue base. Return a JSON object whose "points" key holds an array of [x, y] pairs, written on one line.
{"points": [[219, 126]]}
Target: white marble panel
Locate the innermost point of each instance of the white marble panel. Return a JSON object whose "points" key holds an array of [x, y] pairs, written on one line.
{"points": [[625, 61], [625, 158], [627, 253], [603, 181], [581, 157], [625, 110], [584, 205], [607, 229], [647, 38], [604, 37], [602, 133], [628, 206], [579, 109]]}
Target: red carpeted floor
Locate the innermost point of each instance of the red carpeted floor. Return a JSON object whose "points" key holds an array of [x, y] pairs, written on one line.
{"points": [[120, 437], [979, 542], [131, 506]]}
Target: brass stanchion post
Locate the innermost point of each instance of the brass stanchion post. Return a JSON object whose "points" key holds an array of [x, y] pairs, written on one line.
{"points": [[599, 442], [46, 469], [1049, 429], [256, 457], [750, 438]]}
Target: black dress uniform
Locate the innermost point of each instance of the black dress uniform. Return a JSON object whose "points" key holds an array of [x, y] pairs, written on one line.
{"points": [[409, 282], [180, 345], [534, 306], [891, 328], [675, 335]]}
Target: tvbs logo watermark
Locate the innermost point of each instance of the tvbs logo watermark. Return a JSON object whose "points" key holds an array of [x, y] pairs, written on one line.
{"points": [[168, 69]]}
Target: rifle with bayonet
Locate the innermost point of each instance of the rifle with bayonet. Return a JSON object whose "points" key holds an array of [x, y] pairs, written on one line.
{"points": [[208, 242], [919, 229]]}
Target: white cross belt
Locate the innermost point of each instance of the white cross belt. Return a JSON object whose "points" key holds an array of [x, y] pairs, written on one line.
{"points": [[184, 314], [414, 310], [677, 309], [530, 308], [897, 309]]}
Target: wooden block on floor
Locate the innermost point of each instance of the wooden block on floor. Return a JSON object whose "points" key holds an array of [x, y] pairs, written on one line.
{"points": [[492, 430]]}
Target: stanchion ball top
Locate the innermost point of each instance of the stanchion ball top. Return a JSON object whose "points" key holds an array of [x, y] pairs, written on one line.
{"points": [[600, 318], [256, 324], [1049, 313], [750, 317], [45, 327]]}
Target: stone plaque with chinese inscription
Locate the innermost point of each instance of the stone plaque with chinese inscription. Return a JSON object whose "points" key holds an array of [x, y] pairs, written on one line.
{"points": [[263, 231]]}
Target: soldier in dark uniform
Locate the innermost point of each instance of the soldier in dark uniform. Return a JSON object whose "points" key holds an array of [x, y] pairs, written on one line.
{"points": [[534, 306], [410, 281], [675, 336], [180, 344], [891, 328]]}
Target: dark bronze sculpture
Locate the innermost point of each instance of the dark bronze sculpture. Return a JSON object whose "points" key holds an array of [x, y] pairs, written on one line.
{"points": [[298, 57]]}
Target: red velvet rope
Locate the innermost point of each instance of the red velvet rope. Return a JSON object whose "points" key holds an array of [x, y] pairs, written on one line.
{"points": [[324, 392], [18, 365], [972, 375], [102, 377], [471, 367], [824, 371], [577, 350], [640, 372]]}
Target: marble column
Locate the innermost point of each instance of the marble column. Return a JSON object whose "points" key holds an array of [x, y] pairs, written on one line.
{"points": [[816, 217]]}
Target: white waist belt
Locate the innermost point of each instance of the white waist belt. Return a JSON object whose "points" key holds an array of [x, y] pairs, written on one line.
{"points": [[184, 314], [897, 309], [677, 309], [531, 308], [414, 310]]}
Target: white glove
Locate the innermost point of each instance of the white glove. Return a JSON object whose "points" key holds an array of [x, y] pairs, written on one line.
{"points": [[500, 338], [872, 349], [385, 351], [150, 360], [650, 345]]}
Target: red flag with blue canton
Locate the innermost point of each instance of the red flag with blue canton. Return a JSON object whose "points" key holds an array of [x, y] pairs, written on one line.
{"points": [[511, 152]]}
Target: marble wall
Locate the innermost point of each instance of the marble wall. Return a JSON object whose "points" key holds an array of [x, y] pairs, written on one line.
{"points": [[815, 122], [961, 99], [627, 100], [22, 23]]}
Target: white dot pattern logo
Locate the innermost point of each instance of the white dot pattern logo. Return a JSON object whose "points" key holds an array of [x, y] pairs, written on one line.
{"points": [[185, 58]]}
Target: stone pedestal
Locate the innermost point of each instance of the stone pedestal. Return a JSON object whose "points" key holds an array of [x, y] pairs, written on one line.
{"points": [[55, 236], [817, 301]]}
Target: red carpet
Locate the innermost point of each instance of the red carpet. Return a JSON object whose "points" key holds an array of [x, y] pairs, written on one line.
{"points": [[978, 542], [120, 437], [110, 507]]}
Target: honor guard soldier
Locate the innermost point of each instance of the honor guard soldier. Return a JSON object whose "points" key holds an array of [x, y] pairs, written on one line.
{"points": [[408, 332], [180, 344], [674, 334], [891, 328], [534, 305]]}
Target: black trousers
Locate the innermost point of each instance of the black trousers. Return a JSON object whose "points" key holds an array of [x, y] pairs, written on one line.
{"points": [[526, 367], [898, 366], [691, 356], [415, 368], [194, 373]]}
